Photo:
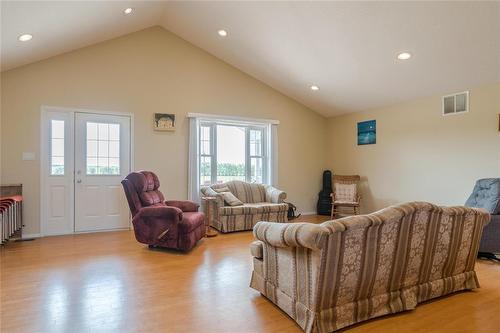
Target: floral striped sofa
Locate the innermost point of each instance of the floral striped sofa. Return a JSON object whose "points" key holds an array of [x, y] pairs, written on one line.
{"points": [[346, 271], [260, 203]]}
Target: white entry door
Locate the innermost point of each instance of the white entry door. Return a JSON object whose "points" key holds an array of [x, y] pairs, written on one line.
{"points": [[102, 160]]}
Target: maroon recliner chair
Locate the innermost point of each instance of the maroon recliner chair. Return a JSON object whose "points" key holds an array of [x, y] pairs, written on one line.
{"points": [[159, 223]]}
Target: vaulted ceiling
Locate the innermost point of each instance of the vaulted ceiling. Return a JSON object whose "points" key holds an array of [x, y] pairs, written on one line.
{"points": [[348, 49]]}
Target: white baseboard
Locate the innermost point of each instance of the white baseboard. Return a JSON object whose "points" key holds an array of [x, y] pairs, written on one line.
{"points": [[77, 232], [31, 236], [309, 213]]}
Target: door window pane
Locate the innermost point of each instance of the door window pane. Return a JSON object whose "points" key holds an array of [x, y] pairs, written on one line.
{"points": [[91, 165], [91, 148], [114, 132], [103, 149], [114, 149], [57, 147], [102, 133], [91, 131]]}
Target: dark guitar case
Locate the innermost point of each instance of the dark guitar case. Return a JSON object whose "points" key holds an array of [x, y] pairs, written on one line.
{"points": [[324, 206]]}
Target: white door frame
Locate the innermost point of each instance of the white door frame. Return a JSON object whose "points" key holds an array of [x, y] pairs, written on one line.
{"points": [[44, 162]]}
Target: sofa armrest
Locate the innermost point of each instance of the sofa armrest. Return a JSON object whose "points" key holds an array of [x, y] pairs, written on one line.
{"points": [[306, 235], [257, 249], [274, 195], [184, 205], [209, 192], [166, 212]]}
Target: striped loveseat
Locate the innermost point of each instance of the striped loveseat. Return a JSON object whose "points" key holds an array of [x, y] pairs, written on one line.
{"points": [[260, 203], [345, 271]]}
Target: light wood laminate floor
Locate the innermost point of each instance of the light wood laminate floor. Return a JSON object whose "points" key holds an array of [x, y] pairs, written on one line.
{"points": [[107, 282]]}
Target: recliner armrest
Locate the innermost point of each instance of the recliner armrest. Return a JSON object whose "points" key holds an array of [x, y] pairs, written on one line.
{"points": [[167, 212], [184, 205]]}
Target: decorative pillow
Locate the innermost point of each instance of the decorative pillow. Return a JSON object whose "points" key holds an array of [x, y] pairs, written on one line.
{"points": [[222, 189], [231, 200], [209, 192], [345, 192]]}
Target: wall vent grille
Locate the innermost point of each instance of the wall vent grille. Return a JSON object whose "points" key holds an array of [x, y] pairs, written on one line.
{"points": [[456, 103]]}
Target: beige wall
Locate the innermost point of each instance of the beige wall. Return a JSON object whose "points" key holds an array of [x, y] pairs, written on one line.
{"points": [[419, 154], [142, 73]]}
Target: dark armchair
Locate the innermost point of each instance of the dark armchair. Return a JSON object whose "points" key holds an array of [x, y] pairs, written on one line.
{"points": [[486, 195], [173, 224]]}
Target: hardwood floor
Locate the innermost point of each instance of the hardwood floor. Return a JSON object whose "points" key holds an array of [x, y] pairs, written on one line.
{"points": [[107, 282]]}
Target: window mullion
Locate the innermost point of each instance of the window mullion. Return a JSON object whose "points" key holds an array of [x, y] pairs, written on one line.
{"points": [[264, 150], [213, 152], [248, 167]]}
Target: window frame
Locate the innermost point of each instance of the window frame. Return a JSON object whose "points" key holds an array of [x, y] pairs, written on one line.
{"points": [[263, 156], [265, 131]]}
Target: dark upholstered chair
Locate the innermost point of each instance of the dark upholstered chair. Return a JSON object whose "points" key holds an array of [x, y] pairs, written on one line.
{"points": [[486, 195], [159, 223]]}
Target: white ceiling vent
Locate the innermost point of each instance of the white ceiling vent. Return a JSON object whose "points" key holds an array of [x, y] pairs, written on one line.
{"points": [[456, 103]]}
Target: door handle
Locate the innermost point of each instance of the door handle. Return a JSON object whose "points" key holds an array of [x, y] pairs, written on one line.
{"points": [[79, 181]]}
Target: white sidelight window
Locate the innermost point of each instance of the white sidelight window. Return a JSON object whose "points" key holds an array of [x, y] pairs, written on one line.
{"points": [[56, 147], [224, 149]]}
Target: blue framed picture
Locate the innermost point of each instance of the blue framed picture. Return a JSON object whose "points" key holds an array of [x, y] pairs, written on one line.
{"points": [[367, 132]]}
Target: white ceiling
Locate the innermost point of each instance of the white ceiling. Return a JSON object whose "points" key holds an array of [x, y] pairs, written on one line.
{"points": [[62, 26], [348, 49]]}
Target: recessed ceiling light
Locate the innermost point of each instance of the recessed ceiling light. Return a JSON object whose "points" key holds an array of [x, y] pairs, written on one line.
{"points": [[222, 33], [25, 37], [128, 10], [404, 56], [314, 88]]}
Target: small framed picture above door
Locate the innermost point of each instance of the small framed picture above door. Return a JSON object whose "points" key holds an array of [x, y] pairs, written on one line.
{"points": [[164, 122]]}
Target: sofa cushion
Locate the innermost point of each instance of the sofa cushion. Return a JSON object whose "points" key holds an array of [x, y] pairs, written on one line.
{"points": [[230, 199], [246, 192], [486, 195], [345, 192], [254, 208], [222, 189]]}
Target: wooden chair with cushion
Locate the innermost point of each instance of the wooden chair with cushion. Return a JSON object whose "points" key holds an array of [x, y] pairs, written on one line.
{"points": [[345, 194]]}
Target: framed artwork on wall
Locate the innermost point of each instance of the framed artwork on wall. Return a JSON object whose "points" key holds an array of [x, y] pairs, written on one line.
{"points": [[367, 132], [164, 122]]}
